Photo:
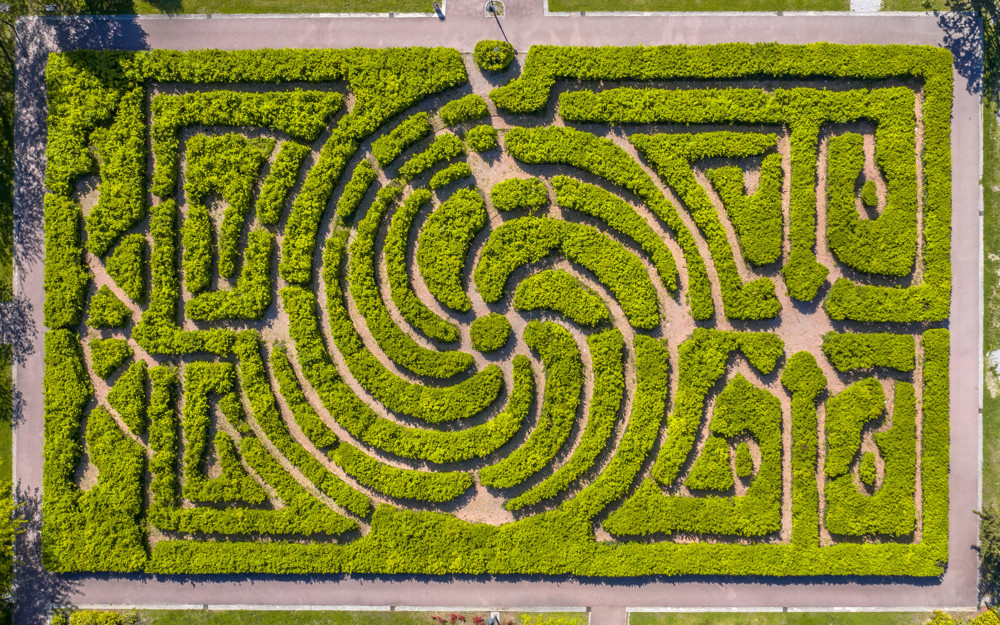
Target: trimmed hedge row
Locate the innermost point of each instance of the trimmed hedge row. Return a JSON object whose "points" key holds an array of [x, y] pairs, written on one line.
{"points": [[621, 217], [431, 404], [107, 354], [756, 218], [530, 239], [127, 266], [275, 188], [300, 114], [443, 148], [251, 297], [362, 178], [464, 109], [400, 483], [603, 158], [481, 138], [607, 352], [563, 388], [514, 193], [555, 289], [389, 146], [848, 352], [399, 346], [229, 165], [450, 174], [409, 305], [847, 413], [672, 155], [489, 333], [128, 397], [67, 278], [444, 243], [711, 471], [106, 310]]}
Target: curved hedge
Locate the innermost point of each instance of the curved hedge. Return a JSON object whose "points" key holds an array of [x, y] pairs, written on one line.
{"points": [[444, 243], [555, 289]]}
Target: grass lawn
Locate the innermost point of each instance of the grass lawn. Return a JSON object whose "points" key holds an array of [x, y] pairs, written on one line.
{"points": [[699, 5], [284, 6], [265, 617], [782, 618], [991, 297]]}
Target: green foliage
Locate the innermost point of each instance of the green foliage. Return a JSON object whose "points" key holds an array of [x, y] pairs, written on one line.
{"points": [[555, 289], [251, 297], [848, 352], [481, 138], [464, 109], [400, 483], [712, 470], [525, 193], [127, 266], [107, 354], [493, 55], [409, 305], [619, 216], [275, 188], [443, 148], [989, 548], [563, 385], [386, 148], [866, 470], [489, 333], [449, 175], [10, 527], [362, 178], [444, 244], [66, 276], [756, 218], [846, 415], [106, 310], [869, 194], [100, 617], [603, 158], [744, 460], [128, 397], [530, 239]]}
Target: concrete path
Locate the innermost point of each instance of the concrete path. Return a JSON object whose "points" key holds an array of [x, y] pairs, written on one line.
{"points": [[525, 24]]}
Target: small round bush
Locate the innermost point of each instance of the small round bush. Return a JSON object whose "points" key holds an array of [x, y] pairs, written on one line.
{"points": [[869, 194], [514, 193], [493, 55], [481, 138], [867, 469], [490, 332], [744, 461]]}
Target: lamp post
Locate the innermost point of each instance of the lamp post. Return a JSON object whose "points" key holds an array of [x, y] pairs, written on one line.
{"points": [[491, 9]]}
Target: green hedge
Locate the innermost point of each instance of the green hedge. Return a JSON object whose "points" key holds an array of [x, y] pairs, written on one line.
{"points": [[464, 109], [106, 310], [756, 218], [362, 178], [563, 388], [386, 148], [603, 158], [275, 188], [493, 55], [489, 333], [128, 397], [443, 148], [400, 483], [107, 354], [127, 266], [555, 289], [848, 352], [251, 297], [414, 311], [530, 239], [444, 244], [450, 174], [481, 138], [514, 193]]}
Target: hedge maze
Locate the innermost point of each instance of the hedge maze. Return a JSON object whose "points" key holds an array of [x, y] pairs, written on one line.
{"points": [[625, 312]]}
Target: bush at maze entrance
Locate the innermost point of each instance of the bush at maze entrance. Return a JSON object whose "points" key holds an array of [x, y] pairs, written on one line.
{"points": [[280, 347]]}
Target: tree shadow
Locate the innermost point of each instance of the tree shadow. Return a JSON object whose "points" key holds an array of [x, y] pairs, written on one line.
{"points": [[970, 32]]}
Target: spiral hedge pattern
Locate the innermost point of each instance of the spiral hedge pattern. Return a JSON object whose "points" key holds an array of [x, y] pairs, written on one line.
{"points": [[352, 315]]}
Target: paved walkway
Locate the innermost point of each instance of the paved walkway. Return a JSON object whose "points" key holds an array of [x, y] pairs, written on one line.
{"points": [[524, 24]]}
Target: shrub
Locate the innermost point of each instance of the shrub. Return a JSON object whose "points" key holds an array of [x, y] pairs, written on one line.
{"points": [[563, 386], [481, 138], [275, 188], [444, 148], [127, 266], [444, 243], [107, 354], [493, 55], [106, 310], [464, 109], [514, 193], [490, 333], [866, 470], [756, 218], [386, 148], [554, 289], [128, 397], [744, 460], [400, 483], [449, 175], [362, 178], [848, 352], [251, 297], [712, 470], [869, 194]]}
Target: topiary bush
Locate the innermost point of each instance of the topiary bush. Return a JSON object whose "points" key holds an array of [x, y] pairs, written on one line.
{"points": [[493, 55], [490, 333]]}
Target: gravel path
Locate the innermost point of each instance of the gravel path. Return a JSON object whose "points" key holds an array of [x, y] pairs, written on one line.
{"points": [[525, 24]]}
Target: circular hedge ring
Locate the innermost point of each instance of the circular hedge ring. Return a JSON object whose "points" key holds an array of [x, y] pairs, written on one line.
{"points": [[493, 55]]}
